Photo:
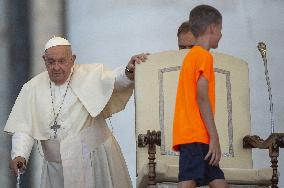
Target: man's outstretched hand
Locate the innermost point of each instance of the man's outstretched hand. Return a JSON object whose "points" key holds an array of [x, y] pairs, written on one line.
{"points": [[130, 68]]}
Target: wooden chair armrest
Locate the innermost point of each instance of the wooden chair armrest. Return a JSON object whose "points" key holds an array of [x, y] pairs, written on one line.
{"points": [[272, 143], [257, 142]]}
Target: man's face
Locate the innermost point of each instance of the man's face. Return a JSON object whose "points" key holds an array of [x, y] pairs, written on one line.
{"points": [[58, 62], [185, 40]]}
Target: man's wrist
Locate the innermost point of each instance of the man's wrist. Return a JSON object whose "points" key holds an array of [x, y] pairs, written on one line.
{"points": [[128, 70], [129, 73]]}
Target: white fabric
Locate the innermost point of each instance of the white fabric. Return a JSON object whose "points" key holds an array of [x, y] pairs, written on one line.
{"points": [[52, 175], [121, 79], [56, 41], [100, 164], [84, 138], [93, 84], [21, 145]]}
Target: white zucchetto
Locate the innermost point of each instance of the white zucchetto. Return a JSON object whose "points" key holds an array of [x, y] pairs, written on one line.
{"points": [[56, 41]]}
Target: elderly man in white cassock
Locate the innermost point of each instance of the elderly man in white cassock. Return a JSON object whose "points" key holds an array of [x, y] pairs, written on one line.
{"points": [[65, 109]]}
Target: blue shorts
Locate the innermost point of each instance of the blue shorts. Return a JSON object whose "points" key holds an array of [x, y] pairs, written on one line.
{"points": [[192, 165]]}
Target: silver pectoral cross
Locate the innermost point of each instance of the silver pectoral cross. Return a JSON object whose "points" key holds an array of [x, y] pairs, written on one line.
{"points": [[55, 127]]}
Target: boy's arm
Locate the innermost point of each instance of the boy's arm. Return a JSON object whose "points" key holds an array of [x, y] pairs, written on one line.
{"points": [[208, 119]]}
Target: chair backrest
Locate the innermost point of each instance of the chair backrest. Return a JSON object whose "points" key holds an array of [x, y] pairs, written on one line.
{"points": [[155, 91]]}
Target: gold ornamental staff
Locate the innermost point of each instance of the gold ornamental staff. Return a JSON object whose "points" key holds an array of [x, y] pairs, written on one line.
{"points": [[262, 48]]}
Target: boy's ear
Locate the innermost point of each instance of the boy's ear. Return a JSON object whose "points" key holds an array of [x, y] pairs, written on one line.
{"points": [[212, 28]]}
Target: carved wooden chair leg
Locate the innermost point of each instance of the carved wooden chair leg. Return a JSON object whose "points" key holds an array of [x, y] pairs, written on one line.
{"points": [[151, 139], [274, 154]]}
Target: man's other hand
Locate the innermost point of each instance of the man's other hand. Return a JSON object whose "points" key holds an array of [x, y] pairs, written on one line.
{"points": [[17, 163]]}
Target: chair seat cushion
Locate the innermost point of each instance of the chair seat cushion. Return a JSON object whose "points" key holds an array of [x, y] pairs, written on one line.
{"points": [[169, 173], [260, 176]]}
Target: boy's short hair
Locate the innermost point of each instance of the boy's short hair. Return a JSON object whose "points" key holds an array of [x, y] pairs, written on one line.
{"points": [[183, 28], [201, 17]]}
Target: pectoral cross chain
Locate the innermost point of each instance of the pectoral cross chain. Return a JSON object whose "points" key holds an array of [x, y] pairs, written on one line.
{"points": [[55, 127]]}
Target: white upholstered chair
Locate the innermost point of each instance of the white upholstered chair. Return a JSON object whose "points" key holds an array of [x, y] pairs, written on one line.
{"points": [[155, 91]]}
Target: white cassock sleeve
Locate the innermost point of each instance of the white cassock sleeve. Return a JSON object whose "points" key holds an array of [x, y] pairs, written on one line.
{"points": [[122, 91], [121, 80], [22, 145]]}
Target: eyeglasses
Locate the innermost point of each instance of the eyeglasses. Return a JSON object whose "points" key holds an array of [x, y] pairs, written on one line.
{"points": [[51, 63]]}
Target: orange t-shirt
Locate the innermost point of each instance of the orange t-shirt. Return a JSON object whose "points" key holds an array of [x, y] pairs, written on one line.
{"points": [[188, 126]]}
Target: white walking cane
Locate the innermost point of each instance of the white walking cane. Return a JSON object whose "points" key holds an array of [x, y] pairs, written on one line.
{"points": [[21, 170], [18, 178]]}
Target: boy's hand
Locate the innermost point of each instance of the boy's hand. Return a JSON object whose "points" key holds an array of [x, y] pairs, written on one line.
{"points": [[214, 152]]}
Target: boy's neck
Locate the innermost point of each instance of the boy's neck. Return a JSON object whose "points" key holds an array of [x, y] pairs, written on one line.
{"points": [[203, 41]]}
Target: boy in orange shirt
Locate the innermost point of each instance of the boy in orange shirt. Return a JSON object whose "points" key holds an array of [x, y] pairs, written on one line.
{"points": [[194, 131]]}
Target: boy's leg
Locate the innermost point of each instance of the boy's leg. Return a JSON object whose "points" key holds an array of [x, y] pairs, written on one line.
{"points": [[214, 175], [218, 183], [187, 184], [191, 165]]}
